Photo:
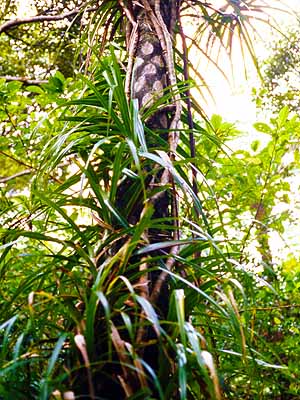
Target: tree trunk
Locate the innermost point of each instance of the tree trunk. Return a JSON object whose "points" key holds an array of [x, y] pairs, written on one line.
{"points": [[149, 76], [148, 80]]}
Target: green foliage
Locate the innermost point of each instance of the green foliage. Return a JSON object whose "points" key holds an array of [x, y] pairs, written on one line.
{"points": [[68, 284], [280, 73], [36, 50], [255, 180], [253, 193], [75, 267], [28, 118]]}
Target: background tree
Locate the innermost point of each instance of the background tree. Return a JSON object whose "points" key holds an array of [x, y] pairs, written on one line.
{"points": [[280, 72], [34, 48]]}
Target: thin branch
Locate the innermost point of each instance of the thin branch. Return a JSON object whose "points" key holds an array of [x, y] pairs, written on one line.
{"points": [[26, 80], [271, 308], [17, 175], [16, 159], [3, 153], [40, 18]]}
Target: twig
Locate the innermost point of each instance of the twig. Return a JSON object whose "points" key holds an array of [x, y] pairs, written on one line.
{"points": [[24, 79], [128, 12], [16, 159], [41, 18], [26, 165], [17, 175], [133, 41], [271, 308]]}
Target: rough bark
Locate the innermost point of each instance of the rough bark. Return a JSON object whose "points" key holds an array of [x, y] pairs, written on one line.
{"points": [[148, 79]]}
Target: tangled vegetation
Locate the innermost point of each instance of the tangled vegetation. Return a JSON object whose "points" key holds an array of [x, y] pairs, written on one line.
{"points": [[134, 265]]}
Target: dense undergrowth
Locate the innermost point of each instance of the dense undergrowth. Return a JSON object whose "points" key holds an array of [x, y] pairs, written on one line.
{"points": [[75, 315]]}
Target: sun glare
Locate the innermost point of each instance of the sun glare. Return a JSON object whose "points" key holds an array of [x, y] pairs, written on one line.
{"points": [[25, 8]]}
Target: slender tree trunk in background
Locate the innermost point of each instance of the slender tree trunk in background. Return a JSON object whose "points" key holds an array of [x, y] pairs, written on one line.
{"points": [[262, 237]]}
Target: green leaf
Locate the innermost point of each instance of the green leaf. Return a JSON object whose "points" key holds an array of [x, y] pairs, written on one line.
{"points": [[263, 127], [282, 117], [34, 89]]}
